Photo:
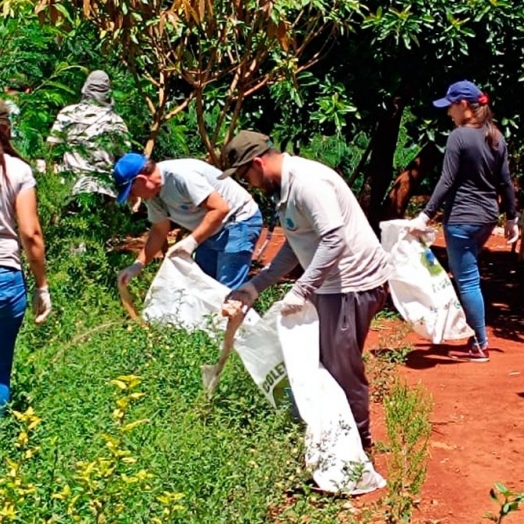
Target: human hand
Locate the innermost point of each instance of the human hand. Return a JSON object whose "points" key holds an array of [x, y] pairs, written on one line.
{"points": [[511, 231], [41, 304], [40, 165], [246, 293], [292, 303], [134, 204], [130, 272], [419, 224], [184, 248]]}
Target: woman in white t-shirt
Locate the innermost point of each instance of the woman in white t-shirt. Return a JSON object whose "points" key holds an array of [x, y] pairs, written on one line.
{"points": [[19, 223]]}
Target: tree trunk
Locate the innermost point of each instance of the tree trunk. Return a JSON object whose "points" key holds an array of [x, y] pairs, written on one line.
{"points": [[158, 115], [153, 133], [407, 182], [380, 168]]}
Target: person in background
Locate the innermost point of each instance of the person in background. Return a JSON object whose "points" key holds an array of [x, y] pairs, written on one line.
{"points": [[223, 219], [345, 268], [18, 222], [12, 92], [475, 174], [93, 135]]}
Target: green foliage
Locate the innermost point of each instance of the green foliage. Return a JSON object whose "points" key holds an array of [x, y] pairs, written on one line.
{"points": [[214, 54], [234, 449], [409, 428], [392, 351], [507, 501], [336, 152], [73, 446]]}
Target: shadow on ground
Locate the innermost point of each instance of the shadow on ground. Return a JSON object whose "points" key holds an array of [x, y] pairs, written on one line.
{"points": [[427, 355], [503, 287]]}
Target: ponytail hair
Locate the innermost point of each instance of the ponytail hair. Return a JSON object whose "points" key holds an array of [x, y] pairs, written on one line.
{"points": [[6, 147], [483, 117]]}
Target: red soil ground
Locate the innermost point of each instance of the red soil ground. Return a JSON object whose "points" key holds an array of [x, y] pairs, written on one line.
{"points": [[478, 433]]}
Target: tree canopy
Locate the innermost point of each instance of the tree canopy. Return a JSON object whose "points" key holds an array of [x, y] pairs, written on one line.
{"points": [[344, 80]]}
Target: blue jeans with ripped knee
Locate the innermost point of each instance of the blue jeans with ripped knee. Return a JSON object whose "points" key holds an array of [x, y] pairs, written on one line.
{"points": [[227, 255], [463, 245], [13, 302]]}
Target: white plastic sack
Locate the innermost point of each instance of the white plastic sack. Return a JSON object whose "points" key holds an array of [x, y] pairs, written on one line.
{"points": [[182, 295], [334, 453], [420, 287]]}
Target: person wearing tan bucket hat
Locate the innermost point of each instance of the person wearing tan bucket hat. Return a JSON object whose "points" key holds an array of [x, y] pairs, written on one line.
{"points": [[92, 136], [327, 233]]}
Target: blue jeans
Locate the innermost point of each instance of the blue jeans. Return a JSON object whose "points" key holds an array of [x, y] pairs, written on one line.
{"points": [[13, 302], [227, 255], [463, 243]]}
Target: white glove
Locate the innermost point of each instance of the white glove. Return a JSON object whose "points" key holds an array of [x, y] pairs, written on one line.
{"points": [[184, 248], [129, 272], [40, 165], [246, 293], [511, 231], [41, 304], [292, 303], [419, 224]]}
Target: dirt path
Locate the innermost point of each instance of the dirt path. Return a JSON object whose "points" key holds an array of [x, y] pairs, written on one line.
{"points": [[478, 436], [478, 430]]}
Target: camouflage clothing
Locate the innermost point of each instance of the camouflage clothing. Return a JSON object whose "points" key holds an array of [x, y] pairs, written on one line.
{"points": [[94, 135]]}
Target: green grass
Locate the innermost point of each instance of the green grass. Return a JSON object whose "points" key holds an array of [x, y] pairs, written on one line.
{"points": [[66, 455], [234, 459]]}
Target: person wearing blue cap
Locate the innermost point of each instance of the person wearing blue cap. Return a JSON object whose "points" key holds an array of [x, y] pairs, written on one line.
{"points": [[474, 175], [223, 219]]}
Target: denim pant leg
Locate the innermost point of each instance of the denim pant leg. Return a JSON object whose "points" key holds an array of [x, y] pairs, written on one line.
{"points": [[234, 262], [206, 258], [12, 307], [227, 255], [463, 243]]}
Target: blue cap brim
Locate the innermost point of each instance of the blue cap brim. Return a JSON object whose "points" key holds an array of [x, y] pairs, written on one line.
{"points": [[123, 193], [442, 102]]}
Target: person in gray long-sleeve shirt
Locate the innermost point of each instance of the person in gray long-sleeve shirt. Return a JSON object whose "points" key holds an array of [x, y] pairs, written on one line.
{"points": [[345, 268], [475, 174]]}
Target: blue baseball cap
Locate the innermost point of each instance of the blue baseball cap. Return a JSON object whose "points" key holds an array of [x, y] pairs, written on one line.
{"points": [[463, 90], [124, 173]]}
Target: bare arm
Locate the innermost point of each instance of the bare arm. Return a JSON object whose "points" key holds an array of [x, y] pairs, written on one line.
{"points": [[155, 241], [31, 234], [217, 209]]}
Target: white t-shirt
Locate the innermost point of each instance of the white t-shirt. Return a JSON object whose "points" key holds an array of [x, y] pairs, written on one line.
{"points": [[314, 201], [186, 183], [95, 135], [19, 178]]}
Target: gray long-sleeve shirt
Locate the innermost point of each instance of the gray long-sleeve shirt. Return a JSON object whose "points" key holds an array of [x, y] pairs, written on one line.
{"points": [[473, 176], [327, 255], [326, 233]]}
